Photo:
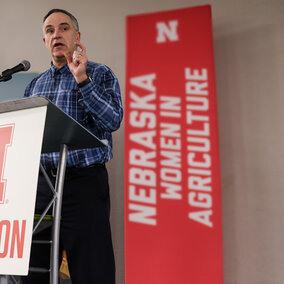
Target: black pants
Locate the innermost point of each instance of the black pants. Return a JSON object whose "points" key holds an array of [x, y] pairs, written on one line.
{"points": [[85, 229]]}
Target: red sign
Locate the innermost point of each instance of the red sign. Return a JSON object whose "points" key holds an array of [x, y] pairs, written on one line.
{"points": [[173, 229]]}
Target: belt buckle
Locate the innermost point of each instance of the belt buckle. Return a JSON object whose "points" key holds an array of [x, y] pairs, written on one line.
{"points": [[53, 172]]}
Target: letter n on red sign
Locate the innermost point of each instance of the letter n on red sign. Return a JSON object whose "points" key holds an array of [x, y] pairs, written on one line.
{"points": [[6, 135]]}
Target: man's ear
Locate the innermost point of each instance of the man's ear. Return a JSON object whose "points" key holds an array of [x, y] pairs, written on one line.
{"points": [[78, 36], [43, 40]]}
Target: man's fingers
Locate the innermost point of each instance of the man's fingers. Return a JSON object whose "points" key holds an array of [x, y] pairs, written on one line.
{"points": [[77, 57], [77, 61], [68, 57], [81, 47]]}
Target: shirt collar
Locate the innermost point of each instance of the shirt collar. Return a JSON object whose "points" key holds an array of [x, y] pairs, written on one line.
{"points": [[63, 70]]}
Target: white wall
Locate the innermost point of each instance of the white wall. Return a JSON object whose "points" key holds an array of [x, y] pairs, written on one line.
{"points": [[249, 40]]}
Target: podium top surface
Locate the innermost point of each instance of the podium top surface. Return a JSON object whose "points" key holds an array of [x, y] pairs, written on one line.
{"points": [[59, 129]]}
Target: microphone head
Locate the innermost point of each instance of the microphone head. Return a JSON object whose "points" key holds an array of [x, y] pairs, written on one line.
{"points": [[26, 64]]}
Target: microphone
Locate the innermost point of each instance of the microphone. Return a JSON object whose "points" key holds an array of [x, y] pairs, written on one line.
{"points": [[7, 74]]}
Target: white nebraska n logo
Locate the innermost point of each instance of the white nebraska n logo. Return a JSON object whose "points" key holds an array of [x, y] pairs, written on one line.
{"points": [[167, 31], [6, 133]]}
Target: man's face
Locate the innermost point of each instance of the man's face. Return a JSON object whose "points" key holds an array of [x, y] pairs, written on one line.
{"points": [[60, 36]]}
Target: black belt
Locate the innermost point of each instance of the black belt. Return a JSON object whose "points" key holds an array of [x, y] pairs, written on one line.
{"points": [[52, 172]]}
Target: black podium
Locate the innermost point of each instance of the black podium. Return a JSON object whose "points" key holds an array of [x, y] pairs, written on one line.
{"points": [[61, 132]]}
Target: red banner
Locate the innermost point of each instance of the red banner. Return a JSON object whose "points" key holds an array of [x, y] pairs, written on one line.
{"points": [[173, 228]]}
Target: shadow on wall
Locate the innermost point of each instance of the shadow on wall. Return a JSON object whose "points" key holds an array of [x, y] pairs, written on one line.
{"points": [[15, 88]]}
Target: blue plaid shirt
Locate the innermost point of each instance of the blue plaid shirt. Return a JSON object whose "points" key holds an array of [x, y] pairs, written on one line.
{"points": [[97, 106]]}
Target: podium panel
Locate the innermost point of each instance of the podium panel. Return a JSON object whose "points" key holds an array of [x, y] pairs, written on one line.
{"points": [[29, 127], [21, 135]]}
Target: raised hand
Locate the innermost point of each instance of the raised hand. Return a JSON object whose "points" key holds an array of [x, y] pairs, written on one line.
{"points": [[77, 62]]}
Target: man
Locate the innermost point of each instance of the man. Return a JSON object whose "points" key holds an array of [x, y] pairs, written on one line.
{"points": [[88, 92]]}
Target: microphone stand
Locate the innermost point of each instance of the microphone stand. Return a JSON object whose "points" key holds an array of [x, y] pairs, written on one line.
{"points": [[5, 78], [6, 75]]}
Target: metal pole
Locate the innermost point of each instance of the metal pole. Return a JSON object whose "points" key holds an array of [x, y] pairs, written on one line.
{"points": [[60, 176]]}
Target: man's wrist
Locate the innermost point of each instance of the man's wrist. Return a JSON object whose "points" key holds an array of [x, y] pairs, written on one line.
{"points": [[84, 82]]}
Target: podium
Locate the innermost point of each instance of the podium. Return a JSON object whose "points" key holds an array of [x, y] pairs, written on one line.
{"points": [[29, 127]]}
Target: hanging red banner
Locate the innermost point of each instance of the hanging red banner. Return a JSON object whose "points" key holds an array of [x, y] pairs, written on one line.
{"points": [[173, 228]]}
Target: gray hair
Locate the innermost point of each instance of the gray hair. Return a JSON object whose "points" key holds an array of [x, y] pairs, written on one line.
{"points": [[73, 19]]}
